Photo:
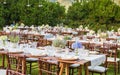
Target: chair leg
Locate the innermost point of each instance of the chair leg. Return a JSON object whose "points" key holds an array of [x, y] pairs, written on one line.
{"points": [[40, 65], [72, 71], [115, 68], [118, 66], [80, 70], [58, 70], [106, 73], [100, 73], [30, 68], [92, 73]]}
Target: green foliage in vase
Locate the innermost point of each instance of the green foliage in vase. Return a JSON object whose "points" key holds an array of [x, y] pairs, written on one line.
{"points": [[59, 43], [14, 39], [3, 38]]}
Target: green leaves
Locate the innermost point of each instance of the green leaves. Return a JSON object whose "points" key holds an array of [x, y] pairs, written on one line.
{"points": [[94, 12], [17, 10]]}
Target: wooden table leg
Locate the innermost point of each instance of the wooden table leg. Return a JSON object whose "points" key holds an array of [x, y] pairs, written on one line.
{"points": [[67, 69], [80, 70], [40, 63], [24, 66], [3, 61], [86, 69], [62, 66]]}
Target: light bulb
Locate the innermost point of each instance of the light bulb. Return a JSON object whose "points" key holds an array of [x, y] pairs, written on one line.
{"points": [[28, 5], [40, 5], [4, 2]]}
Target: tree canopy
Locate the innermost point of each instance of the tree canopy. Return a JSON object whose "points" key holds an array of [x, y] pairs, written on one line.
{"points": [[39, 12], [96, 13]]}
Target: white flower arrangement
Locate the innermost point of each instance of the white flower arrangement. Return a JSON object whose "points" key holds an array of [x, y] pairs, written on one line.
{"points": [[3, 37], [22, 24], [42, 26], [47, 26], [92, 32], [32, 27], [99, 31], [10, 28], [81, 26], [103, 35], [86, 28], [59, 43], [119, 30]]}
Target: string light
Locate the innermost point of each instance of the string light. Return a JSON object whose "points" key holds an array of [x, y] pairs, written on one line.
{"points": [[28, 5], [40, 5], [4, 2]]}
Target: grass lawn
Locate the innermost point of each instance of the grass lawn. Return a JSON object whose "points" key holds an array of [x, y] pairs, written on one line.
{"points": [[110, 71]]}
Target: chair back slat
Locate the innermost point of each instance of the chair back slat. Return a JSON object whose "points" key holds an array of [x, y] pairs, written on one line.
{"points": [[16, 64], [48, 66], [110, 49]]}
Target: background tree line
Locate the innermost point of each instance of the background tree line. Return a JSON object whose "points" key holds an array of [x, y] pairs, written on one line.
{"points": [[39, 12], [103, 14]]}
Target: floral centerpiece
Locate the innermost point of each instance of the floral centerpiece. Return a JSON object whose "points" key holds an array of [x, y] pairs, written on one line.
{"points": [[16, 26], [59, 43], [103, 35], [92, 32], [86, 28], [14, 39], [81, 27], [76, 45], [118, 30]]}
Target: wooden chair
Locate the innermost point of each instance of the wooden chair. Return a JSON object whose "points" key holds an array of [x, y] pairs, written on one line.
{"points": [[2, 59], [30, 62], [30, 37], [37, 37], [86, 45], [100, 69], [111, 39], [90, 37], [69, 44], [16, 64], [92, 46], [48, 66], [111, 49], [42, 42], [2, 64], [23, 38], [66, 33]]}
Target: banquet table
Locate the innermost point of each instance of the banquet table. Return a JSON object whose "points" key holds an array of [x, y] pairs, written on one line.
{"points": [[90, 60], [83, 60]]}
